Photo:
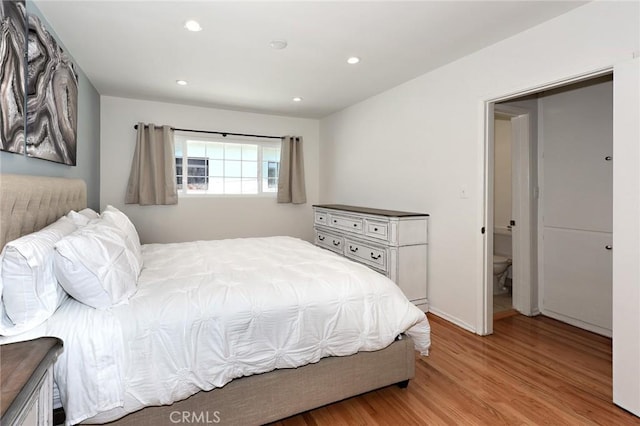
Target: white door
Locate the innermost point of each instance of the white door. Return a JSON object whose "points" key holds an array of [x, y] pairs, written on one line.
{"points": [[626, 236], [521, 200], [577, 205], [521, 213]]}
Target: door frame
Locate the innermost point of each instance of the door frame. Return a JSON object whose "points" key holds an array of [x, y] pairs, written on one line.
{"points": [[485, 293]]}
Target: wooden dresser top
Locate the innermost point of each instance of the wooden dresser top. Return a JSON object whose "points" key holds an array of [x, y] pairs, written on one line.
{"points": [[22, 364], [367, 210]]}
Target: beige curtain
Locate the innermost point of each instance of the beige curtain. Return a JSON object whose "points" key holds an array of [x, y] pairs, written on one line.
{"points": [[291, 178], [153, 170]]}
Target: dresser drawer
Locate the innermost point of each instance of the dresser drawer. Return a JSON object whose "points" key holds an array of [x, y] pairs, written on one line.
{"points": [[364, 253], [321, 217], [330, 241], [374, 229], [348, 223]]}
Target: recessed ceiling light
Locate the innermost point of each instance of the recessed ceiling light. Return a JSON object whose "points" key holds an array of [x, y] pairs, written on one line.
{"points": [[297, 99], [192, 26], [353, 60], [181, 82], [278, 44]]}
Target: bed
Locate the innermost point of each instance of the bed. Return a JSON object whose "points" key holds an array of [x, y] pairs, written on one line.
{"points": [[272, 356]]}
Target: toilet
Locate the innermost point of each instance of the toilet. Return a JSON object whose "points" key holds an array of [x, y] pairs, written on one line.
{"points": [[501, 267]]}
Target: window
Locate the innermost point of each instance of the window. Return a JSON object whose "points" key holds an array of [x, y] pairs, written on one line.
{"points": [[197, 173], [273, 167], [224, 166]]}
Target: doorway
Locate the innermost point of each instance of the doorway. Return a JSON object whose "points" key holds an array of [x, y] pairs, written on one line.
{"points": [[502, 215], [527, 226], [626, 227], [512, 170]]}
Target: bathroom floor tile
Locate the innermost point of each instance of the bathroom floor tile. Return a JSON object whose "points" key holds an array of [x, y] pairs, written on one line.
{"points": [[502, 302]]}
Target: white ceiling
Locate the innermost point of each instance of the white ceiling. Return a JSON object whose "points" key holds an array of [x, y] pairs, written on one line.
{"points": [[138, 49]]}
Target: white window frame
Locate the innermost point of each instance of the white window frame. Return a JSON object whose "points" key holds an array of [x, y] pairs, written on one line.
{"points": [[181, 139]]}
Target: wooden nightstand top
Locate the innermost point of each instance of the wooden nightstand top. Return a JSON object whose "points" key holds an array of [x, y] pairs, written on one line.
{"points": [[22, 365]]}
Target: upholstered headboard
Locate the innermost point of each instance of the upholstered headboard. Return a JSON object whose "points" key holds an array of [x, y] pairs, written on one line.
{"points": [[29, 203]]}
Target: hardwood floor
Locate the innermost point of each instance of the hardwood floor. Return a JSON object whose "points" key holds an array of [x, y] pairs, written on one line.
{"points": [[531, 371], [504, 314]]}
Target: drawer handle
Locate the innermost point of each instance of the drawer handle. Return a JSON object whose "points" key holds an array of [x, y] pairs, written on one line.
{"points": [[375, 257], [355, 225], [320, 218], [336, 243], [375, 229], [353, 250], [320, 237]]}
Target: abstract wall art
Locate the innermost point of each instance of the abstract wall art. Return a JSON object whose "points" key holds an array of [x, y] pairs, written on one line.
{"points": [[12, 79], [52, 98]]}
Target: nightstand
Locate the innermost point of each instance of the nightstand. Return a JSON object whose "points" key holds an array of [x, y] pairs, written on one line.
{"points": [[26, 381]]}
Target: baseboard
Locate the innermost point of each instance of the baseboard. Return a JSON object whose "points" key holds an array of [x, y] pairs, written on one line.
{"points": [[577, 323], [422, 304], [452, 319]]}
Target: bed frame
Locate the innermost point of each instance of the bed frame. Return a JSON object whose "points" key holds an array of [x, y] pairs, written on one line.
{"points": [[28, 203]]}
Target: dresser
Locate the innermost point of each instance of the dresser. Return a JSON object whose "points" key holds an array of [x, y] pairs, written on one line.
{"points": [[393, 243], [26, 383]]}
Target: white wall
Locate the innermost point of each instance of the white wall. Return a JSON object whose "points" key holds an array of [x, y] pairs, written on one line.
{"points": [[415, 146], [202, 217]]}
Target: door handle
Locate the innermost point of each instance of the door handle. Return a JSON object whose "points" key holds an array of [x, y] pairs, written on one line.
{"points": [[608, 247], [608, 158]]}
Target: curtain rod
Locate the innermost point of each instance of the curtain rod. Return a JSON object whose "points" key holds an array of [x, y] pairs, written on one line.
{"points": [[224, 134]]}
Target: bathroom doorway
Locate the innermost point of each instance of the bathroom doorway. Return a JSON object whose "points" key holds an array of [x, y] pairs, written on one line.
{"points": [[502, 216], [513, 174]]}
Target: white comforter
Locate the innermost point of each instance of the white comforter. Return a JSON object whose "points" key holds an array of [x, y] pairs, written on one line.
{"points": [[208, 312]]}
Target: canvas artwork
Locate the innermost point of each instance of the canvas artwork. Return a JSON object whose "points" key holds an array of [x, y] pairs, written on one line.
{"points": [[52, 98], [13, 21]]}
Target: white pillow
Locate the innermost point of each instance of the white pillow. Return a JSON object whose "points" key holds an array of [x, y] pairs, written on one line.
{"points": [[120, 220], [82, 217], [30, 292], [95, 266]]}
